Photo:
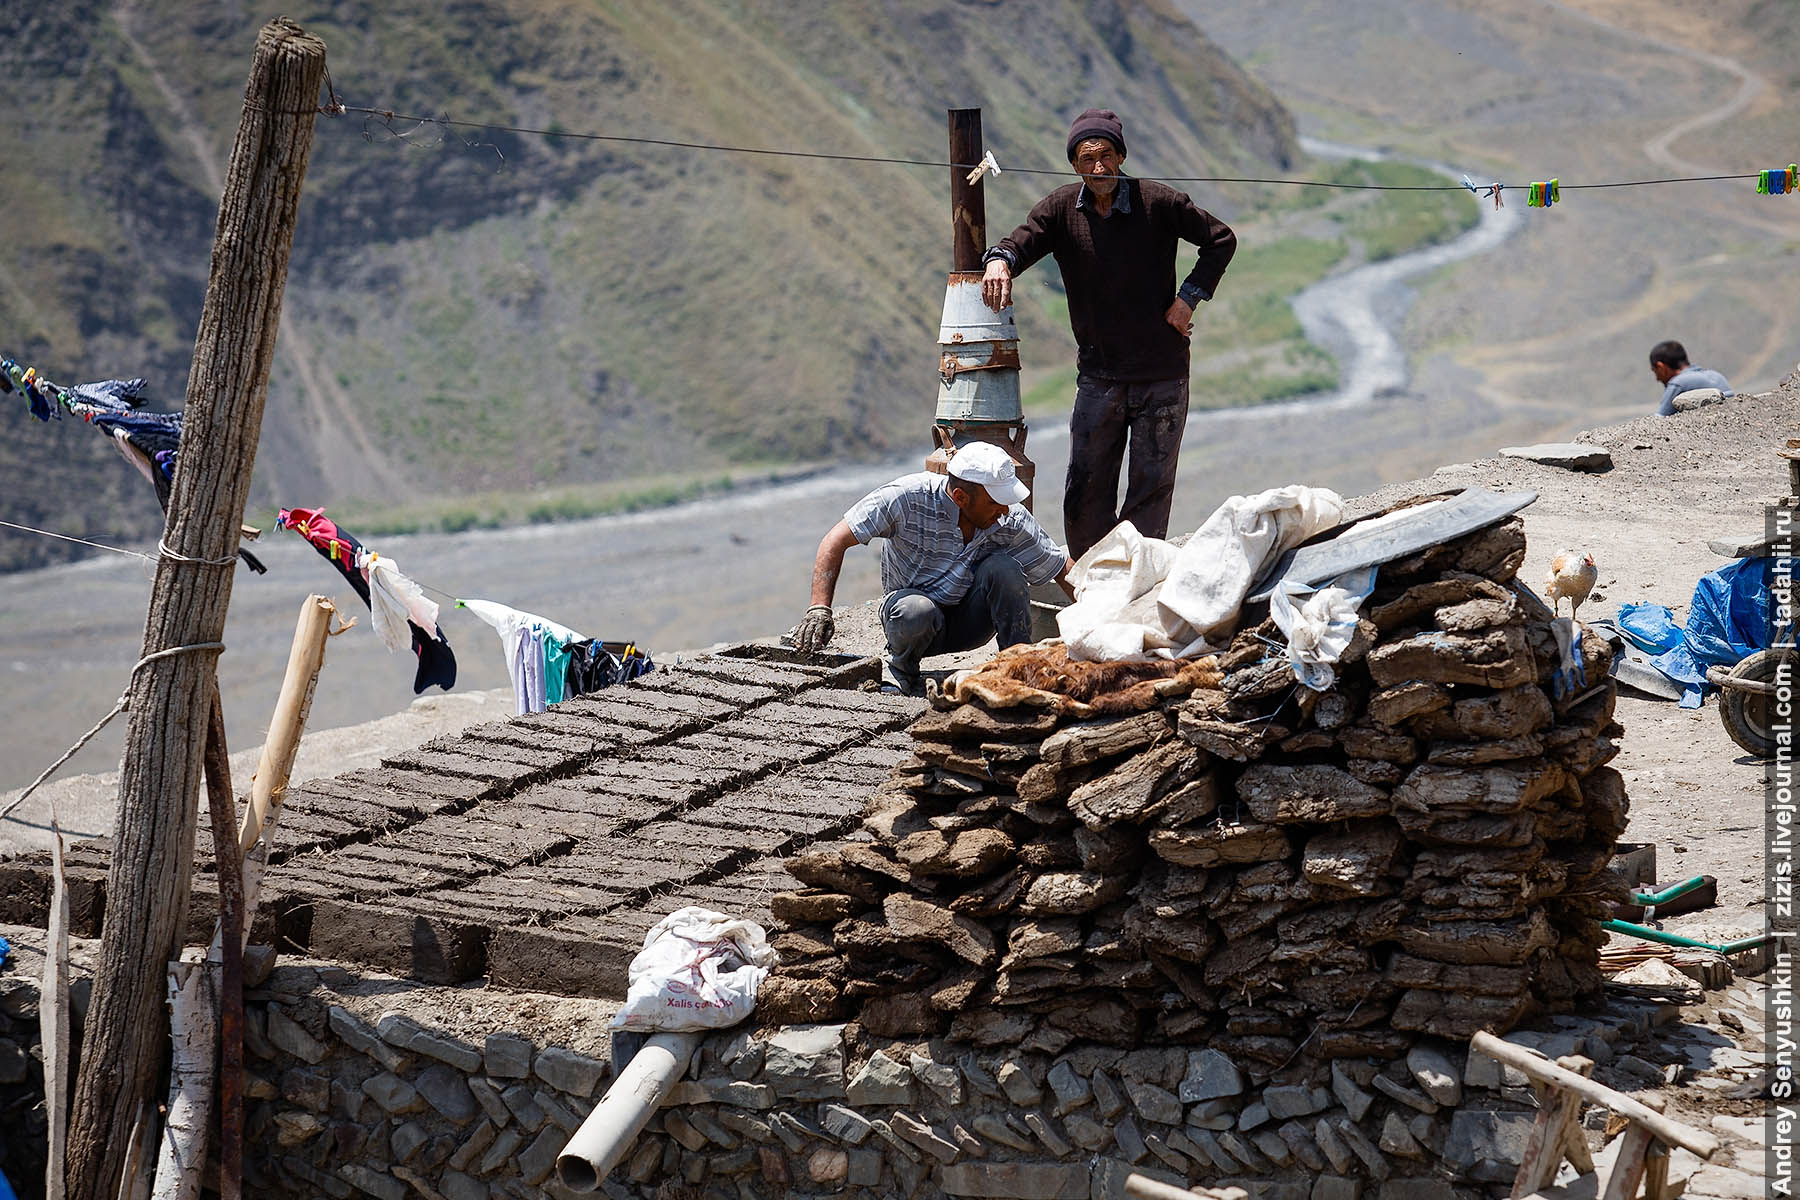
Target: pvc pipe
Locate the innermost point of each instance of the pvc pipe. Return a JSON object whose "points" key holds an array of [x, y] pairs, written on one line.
{"points": [[1675, 939], [1650, 899], [609, 1131]]}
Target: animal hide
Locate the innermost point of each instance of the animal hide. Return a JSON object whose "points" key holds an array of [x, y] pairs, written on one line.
{"points": [[1043, 676]]}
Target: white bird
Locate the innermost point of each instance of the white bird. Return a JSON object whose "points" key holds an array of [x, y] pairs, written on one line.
{"points": [[1571, 575]]}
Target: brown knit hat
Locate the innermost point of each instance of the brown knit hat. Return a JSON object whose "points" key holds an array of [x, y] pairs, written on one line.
{"points": [[1096, 122]]}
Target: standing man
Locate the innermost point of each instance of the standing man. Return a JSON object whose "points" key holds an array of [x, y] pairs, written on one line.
{"points": [[1669, 363], [1115, 239], [959, 556]]}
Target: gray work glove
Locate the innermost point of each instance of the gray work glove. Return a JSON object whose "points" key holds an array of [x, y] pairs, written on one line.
{"points": [[813, 634]]}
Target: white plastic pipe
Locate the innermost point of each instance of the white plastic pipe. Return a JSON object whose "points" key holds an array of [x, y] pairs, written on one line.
{"points": [[609, 1131]]}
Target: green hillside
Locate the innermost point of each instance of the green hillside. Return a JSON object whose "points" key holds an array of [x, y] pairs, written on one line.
{"points": [[484, 313]]}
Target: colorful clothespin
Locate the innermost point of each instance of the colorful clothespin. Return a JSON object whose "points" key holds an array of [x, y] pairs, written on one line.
{"points": [[1777, 182], [1543, 194]]}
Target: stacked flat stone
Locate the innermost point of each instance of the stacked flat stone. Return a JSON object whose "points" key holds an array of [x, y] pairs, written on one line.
{"points": [[1420, 850]]}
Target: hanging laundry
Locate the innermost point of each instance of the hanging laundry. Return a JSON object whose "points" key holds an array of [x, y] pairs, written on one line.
{"points": [[395, 602], [149, 441], [437, 662], [537, 653], [593, 665]]}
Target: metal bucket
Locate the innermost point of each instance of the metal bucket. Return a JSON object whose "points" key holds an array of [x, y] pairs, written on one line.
{"points": [[978, 362], [967, 318]]}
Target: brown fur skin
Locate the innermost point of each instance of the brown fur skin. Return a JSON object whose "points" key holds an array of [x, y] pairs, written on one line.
{"points": [[1043, 676]]}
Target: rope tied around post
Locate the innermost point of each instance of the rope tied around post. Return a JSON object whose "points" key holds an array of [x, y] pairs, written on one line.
{"points": [[121, 706]]}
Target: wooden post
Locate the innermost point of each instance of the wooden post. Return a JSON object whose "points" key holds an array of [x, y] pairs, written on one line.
{"points": [[292, 706], [968, 201], [222, 808], [123, 1048]]}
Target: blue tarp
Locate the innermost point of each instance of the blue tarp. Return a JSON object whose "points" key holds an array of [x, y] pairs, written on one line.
{"points": [[1728, 620]]}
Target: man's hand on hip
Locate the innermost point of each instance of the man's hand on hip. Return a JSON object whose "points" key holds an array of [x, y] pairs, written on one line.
{"points": [[996, 284], [1180, 315]]}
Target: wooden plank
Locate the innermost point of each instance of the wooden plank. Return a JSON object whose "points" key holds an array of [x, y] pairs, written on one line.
{"points": [[1628, 1167], [1536, 1066]]}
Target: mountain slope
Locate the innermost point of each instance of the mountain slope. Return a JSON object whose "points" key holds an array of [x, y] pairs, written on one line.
{"points": [[482, 310]]}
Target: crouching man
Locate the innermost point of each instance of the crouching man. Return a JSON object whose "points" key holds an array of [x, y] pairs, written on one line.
{"points": [[959, 558]]}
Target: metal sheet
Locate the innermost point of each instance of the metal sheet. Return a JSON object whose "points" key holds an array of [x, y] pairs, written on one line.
{"points": [[1476, 508]]}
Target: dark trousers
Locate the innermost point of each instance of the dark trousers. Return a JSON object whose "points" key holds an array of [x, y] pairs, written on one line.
{"points": [[1152, 416], [998, 605]]}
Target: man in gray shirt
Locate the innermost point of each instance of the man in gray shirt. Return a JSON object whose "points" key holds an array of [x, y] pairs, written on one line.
{"points": [[1669, 363], [959, 554]]}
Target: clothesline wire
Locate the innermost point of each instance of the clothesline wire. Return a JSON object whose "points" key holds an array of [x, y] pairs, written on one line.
{"points": [[388, 116], [83, 541], [123, 702]]}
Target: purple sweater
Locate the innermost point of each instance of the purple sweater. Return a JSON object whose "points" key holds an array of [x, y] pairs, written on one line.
{"points": [[1120, 272]]}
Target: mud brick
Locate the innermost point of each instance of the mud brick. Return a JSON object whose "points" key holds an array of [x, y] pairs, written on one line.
{"points": [[622, 778], [530, 893], [355, 809], [321, 827], [702, 778], [754, 728], [440, 947], [866, 778], [784, 677], [203, 915], [905, 709], [802, 711], [560, 719], [579, 957], [878, 753], [446, 762], [715, 687], [26, 884], [769, 839], [542, 758], [735, 812], [634, 852], [755, 757], [801, 796], [537, 739], [646, 695], [405, 790], [88, 852]]}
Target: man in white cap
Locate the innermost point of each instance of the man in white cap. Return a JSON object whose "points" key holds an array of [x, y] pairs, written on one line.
{"points": [[957, 564]]}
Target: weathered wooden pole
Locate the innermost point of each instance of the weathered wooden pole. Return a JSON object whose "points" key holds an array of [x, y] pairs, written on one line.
{"points": [[123, 1047], [968, 201]]}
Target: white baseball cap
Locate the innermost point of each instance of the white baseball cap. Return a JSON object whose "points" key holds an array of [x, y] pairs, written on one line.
{"points": [[991, 467]]}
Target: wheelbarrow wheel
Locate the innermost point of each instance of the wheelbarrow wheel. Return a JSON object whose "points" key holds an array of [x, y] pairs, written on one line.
{"points": [[1749, 716]]}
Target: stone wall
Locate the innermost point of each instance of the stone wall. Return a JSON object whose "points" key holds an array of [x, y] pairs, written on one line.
{"points": [[362, 1085]]}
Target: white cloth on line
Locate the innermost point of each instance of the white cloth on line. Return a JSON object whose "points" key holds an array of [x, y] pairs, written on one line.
{"points": [[1138, 598], [394, 600], [522, 637]]}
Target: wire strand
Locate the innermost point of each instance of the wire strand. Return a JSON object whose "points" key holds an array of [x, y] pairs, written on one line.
{"points": [[83, 541], [388, 116], [123, 703]]}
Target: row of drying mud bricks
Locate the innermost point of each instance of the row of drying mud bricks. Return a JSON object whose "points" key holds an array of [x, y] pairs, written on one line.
{"points": [[1285, 875], [362, 860]]}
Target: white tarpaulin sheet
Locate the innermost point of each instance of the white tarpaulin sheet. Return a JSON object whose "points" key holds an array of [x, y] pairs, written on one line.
{"points": [[1139, 597]]}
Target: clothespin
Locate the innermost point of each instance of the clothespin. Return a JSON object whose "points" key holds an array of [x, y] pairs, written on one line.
{"points": [[1765, 184], [1494, 190], [986, 166], [1473, 190]]}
